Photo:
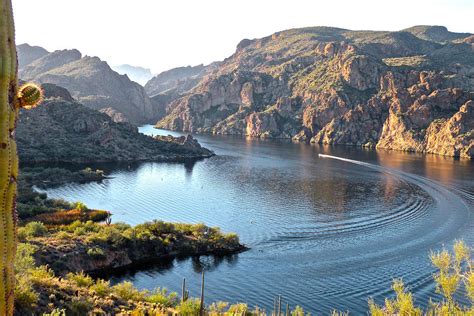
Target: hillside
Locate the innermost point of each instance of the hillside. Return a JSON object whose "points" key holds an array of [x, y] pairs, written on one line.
{"points": [[411, 90], [62, 130], [91, 82]]}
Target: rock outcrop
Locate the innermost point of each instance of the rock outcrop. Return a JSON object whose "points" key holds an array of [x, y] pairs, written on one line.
{"points": [[410, 90]]}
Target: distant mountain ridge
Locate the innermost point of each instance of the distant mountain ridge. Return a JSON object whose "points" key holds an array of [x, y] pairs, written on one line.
{"points": [[90, 81], [179, 80], [410, 90], [138, 74]]}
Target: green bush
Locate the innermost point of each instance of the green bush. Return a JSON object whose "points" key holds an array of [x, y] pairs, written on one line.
{"points": [[101, 288], [80, 306], [189, 307], [80, 279], [218, 307], [56, 312], [96, 253], [238, 309], [80, 206], [161, 296], [32, 229], [127, 291], [25, 295]]}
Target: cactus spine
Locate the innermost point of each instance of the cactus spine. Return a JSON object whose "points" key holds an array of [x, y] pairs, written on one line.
{"points": [[8, 156], [29, 95], [10, 102]]}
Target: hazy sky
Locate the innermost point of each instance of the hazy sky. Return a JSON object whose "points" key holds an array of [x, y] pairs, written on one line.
{"points": [[161, 34]]}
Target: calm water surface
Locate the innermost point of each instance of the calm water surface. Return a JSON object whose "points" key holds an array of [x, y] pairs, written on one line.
{"points": [[324, 233]]}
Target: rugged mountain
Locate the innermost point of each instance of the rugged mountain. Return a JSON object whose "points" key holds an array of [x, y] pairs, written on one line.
{"points": [[411, 90], [62, 130], [135, 73], [179, 80], [27, 54], [93, 83], [435, 33]]}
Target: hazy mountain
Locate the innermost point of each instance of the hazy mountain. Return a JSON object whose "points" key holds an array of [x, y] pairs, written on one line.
{"points": [[93, 83], [27, 54], [410, 90], [179, 80], [135, 73]]}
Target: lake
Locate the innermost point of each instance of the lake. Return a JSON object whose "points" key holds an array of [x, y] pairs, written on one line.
{"points": [[324, 233]]}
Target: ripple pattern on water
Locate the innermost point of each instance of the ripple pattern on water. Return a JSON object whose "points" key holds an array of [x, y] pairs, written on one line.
{"points": [[325, 232]]}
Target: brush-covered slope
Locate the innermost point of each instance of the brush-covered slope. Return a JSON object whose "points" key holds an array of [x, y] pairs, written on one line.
{"points": [[93, 83], [62, 130], [410, 90]]}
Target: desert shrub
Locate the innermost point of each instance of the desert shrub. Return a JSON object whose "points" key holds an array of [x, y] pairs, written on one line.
{"points": [[454, 272], [402, 304], [111, 235], [218, 307], [80, 231], [42, 275], [101, 288], [24, 260], [238, 309], [298, 311], [80, 279], [161, 296], [32, 229], [56, 312], [127, 291], [156, 227], [62, 235], [189, 307], [80, 206], [96, 252], [79, 305], [25, 295]]}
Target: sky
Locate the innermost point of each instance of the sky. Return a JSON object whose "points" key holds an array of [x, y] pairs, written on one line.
{"points": [[162, 34]]}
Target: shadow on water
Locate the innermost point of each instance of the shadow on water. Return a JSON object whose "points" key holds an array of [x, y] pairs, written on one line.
{"points": [[207, 263]]}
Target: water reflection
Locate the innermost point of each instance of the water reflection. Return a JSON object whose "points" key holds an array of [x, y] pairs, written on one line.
{"points": [[323, 233]]}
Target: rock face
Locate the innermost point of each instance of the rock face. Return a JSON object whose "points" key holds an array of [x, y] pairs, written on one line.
{"points": [[93, 83], [410, 90], [62, 130]]}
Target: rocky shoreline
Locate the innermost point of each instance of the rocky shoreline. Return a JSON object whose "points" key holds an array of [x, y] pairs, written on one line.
{"points": [[330, 86]]}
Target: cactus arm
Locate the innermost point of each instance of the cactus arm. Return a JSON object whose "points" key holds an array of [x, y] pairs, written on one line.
{"points": [[8, 156]]}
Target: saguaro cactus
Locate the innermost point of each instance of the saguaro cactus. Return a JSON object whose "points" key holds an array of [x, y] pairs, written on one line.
{"points": [[10, 102]]}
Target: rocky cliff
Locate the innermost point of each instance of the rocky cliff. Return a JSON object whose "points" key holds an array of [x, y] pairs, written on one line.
{"points": [[411, 90], [91, 82], [62, 130]]}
